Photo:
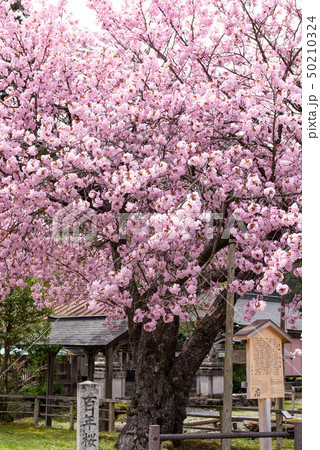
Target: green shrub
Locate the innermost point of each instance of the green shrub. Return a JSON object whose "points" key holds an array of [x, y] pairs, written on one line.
{"points": [[42, 389], [239, 374]]}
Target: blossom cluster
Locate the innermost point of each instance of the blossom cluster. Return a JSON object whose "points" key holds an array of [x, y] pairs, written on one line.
{"points": [[189, 124]]}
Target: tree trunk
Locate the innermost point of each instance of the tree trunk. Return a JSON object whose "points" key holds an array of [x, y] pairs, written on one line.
{"points": [[162, 379]]}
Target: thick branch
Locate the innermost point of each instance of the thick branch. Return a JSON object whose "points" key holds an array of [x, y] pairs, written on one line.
{"points": [[200, 343]]}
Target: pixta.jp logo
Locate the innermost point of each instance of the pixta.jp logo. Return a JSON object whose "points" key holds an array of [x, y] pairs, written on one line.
{"points": [[74, 225], [143, 224]]}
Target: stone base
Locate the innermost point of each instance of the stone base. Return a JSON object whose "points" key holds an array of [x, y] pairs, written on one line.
{"points": [[119, 385]]}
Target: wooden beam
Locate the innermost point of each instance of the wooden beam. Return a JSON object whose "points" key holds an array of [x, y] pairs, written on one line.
{"points": [[36, 413], [280, 401], [73, 375], [91, 354], [104, 424], [228, 360], [264, 406], [154, 437], [50, 381], [108, 354]]}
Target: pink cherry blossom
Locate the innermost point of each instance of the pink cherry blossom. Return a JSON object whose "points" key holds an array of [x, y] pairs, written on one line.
{"points": [[162, 120], [282, 289]]}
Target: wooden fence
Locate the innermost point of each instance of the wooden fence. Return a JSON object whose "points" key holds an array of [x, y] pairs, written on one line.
{"points": [[155, 438], [49, 407], [214, 417], [38, 406]]}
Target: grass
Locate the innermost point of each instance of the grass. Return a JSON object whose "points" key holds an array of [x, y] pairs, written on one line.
{"points": [[288, 404], [236, 444], [25, 436], [253, 444]]}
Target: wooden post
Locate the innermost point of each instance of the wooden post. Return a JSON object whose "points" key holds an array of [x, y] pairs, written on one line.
{"points": [[36, 412], [50, 380], [111, 416], [103, 415], [228, 360], [264, 407], [293, 397], [220, 416], [73, 376], [154, 437], [283, 305], [280, 401], [91, 354], [279, 421], [298, 436], [108, 354], [71, 415]]}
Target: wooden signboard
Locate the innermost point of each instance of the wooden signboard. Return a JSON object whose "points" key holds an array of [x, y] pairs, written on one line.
{"points": [[265, 365], [265, 377]]}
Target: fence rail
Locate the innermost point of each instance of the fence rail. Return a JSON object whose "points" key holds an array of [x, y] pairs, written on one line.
{"points": [[155, 438], [37, 403]]}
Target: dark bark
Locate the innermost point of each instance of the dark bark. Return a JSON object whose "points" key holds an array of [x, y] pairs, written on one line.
{"points": [[162, 379]]}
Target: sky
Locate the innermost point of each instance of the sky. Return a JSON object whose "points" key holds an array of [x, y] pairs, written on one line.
{"points": [[82, 13]]}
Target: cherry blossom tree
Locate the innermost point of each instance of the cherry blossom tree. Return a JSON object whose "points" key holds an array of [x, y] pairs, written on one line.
{"points": [[127, 159]]}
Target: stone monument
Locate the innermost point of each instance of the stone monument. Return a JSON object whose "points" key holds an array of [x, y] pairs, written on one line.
{"points": [[88, 416]]}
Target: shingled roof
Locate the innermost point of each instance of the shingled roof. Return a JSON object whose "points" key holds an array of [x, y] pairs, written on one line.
{"points": [[76, 325], [86, 331], [81, 308], [257, 326]]}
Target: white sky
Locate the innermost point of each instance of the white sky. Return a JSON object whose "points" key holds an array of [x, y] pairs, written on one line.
{"points": [[85, 15], [82, 13]]}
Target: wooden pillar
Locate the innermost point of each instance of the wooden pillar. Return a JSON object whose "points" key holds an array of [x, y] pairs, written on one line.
{"points": [[280, 401], [107, 410], [72, 415], [283, 305], [36, 412], [298, 436], [279, 421], [264, 407], [111, 416], [73, 375], [91, 355], [228, 360], [154, 437], [293, 398], [50, 381], [108, 354]]}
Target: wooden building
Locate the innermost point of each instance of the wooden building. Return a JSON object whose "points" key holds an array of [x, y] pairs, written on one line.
{"points": [[90, 350]]}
